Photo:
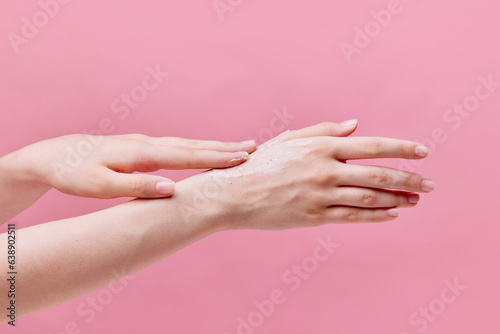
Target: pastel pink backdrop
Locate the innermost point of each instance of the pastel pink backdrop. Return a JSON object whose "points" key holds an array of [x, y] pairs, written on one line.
{"points": [[226, 78]]}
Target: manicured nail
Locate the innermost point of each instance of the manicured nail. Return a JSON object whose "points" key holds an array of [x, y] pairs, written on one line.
{"points": [[413, 199], [421, 151], [165, 187], [247, 144], [239, 156], [427, 185], [393, 212], [350, 122]]}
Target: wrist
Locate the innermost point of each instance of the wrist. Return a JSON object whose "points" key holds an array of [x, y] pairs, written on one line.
{"points": [[200, 203], [20, 168]]}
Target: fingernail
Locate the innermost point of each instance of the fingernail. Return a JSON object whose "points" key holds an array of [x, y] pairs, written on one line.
{"points": [[393, 212], [421, 151], [239, 156], [427, 185], [350, 122], [413, 199], [165, 187], [247, 144]]}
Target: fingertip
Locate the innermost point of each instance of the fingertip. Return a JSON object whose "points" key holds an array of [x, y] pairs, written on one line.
{"points": [[348, 127], [352, 123], [421, 151], [165, 187], [393, 213], [238, 158], [248, 146], [413, 198], [427, 185]]}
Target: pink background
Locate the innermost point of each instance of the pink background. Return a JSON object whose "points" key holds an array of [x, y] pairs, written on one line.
{"points": [[226, 78]]}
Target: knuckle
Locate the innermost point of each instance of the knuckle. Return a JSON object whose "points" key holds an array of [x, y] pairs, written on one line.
{"points": [[399, 200], [322, 175], [137, 137], [351, 215], [139, 185], [99, 188], [406, 150], [376, 215], [143, 157], [374, 146], [315, 218], [326, 128], [369, 198], [381, 178], [316, 147], [336, 198], [412, 181], [317, 198], [192, 156], [314, 213]]}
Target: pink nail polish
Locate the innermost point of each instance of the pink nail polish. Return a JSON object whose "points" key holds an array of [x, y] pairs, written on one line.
{"points": [[421, 151], [413, 199], [350, 122], [393, 212], [165, 187], [248, 143], [427, 185]]}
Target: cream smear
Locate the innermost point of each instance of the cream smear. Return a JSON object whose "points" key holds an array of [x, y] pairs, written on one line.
{"points": [[272, 157]]}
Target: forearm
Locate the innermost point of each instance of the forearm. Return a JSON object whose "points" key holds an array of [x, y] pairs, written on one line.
{"points": [[19, 186], [61, 260], [293, 181]]}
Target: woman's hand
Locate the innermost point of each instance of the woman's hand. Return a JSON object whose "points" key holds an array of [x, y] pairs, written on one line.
{"points": [[301, 179], [298, 179], [101, 167]]}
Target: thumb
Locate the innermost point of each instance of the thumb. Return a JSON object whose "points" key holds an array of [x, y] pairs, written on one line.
{"points": [[139, 185]]}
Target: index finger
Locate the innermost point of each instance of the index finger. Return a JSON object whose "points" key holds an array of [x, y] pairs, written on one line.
{"points": [[247, 145], [346, 148]]}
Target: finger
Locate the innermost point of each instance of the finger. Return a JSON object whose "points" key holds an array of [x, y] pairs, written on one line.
{"points": [[137, 185], [185, 158], [373, 198], [247, 145], [382, 177], [325, 129], [346, 214], [376, 147]]}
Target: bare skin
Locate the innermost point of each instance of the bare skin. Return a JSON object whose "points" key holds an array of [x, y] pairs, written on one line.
{"points": [[101, 167], [309, 184]]}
